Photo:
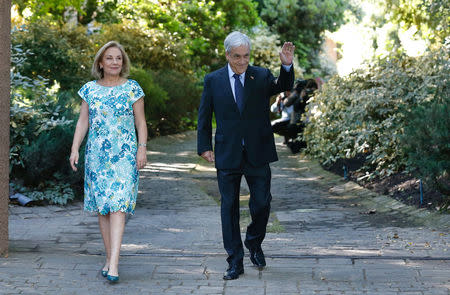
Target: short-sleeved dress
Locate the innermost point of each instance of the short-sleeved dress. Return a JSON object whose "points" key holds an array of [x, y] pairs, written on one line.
{"points": [[111, 176]]}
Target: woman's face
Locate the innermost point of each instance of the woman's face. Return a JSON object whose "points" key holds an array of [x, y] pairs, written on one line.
{"points": [[112, 62]]}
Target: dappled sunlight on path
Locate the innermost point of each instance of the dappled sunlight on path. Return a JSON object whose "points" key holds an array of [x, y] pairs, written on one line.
{"points": [[324, 236]]}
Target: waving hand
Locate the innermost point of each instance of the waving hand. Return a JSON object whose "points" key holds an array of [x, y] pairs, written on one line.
{"points": [[287, 53]]}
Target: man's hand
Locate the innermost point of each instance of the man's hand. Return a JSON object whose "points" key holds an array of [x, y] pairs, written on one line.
{"points": [[287, 53], [279, 98], [208, 156]]}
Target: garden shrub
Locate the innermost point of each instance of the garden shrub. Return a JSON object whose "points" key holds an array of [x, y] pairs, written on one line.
{"points": [[59, 53], [34, 108], [50, 62], [367, 111], [47, 154], [266, 46], [168, 109], [147, 48], [40, 134], [426, 142], [155, 98], [181, 108]]}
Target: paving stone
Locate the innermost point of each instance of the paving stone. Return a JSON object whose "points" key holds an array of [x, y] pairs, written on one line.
{"points": [[173, 244]]}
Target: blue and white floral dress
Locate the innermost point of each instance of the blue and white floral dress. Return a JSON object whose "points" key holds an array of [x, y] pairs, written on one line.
{"points": [[111, 177]]}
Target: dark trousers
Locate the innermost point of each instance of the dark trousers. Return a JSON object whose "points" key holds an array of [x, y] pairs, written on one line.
{"points": [[284, 128], [229, 180]]}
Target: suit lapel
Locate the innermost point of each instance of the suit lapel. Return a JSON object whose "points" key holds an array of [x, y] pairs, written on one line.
{"points": [[227, 86]]}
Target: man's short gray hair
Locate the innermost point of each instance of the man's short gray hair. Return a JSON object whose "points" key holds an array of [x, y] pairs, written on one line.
{"points": [[236, 39]]}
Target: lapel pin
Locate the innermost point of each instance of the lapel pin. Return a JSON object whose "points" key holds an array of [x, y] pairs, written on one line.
{"points": [[251, 77]]}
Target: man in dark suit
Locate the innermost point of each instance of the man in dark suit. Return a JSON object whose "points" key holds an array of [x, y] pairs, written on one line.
{"points": [[238, 95]]}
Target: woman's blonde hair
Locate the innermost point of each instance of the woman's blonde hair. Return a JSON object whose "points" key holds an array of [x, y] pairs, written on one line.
{"points": [[97, 72]]}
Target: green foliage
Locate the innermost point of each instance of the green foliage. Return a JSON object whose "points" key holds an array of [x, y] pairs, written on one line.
{"points": [[171, 45], [303, 22], [34, 108], [40, 156], [426, 141], [39, 131], [53, 8], [155, 98], [366, 112], [59, 53], [184, 93], [200, 25], [53, 192], [265, 51], [196, 27], [238, 14], [431, 17], [147, 48]]}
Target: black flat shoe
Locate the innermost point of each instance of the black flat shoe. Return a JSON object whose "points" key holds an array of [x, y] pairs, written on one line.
{"points": [[233, 272]]}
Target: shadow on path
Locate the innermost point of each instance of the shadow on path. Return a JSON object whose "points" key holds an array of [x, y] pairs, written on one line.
{"points": [[325, 236]]}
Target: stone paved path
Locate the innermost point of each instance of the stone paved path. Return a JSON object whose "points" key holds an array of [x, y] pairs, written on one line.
{"points": [[321, 240]]}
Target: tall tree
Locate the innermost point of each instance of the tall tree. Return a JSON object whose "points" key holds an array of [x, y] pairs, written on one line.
{"points": [[431, 17], [201, 24], [198, 25], [55, 8], [304, 21]]}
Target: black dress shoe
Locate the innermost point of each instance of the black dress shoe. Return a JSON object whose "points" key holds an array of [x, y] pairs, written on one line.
{"points": [[233, 272], [256, 256]]}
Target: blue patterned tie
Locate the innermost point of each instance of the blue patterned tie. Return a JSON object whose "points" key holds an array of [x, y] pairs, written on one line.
{"points": [[239, 92]]}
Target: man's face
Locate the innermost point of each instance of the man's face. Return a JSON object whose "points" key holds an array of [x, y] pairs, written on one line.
{"points": [[238, 58]]}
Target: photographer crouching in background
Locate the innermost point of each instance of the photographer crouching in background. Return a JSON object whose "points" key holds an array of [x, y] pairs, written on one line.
{"points": [[281, 126], [302, 91]]}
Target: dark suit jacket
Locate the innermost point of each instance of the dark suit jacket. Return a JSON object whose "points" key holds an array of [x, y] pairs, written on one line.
{"points": [[253, 125]]}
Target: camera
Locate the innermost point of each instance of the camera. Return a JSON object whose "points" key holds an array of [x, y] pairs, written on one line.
{"points": [[299, 85]]}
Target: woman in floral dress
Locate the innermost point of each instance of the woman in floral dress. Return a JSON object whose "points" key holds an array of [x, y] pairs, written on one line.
{"points": [[112, 109]]}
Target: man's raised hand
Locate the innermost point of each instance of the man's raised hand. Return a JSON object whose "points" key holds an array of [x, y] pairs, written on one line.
{"points": [[287, 53]]}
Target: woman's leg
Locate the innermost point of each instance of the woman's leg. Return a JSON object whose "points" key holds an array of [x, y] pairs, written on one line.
{"points": [[103, 222], [117, 225]]}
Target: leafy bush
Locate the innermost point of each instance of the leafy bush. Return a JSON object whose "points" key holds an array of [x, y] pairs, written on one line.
{"points": [[367, 111], [40, 133], [427, 142], [47, 154], [59, 53], [265, 48], [34, 108], [304, 22], [168, 109], [184, 94], [147, 48], [53, 192], [155, 98]]}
